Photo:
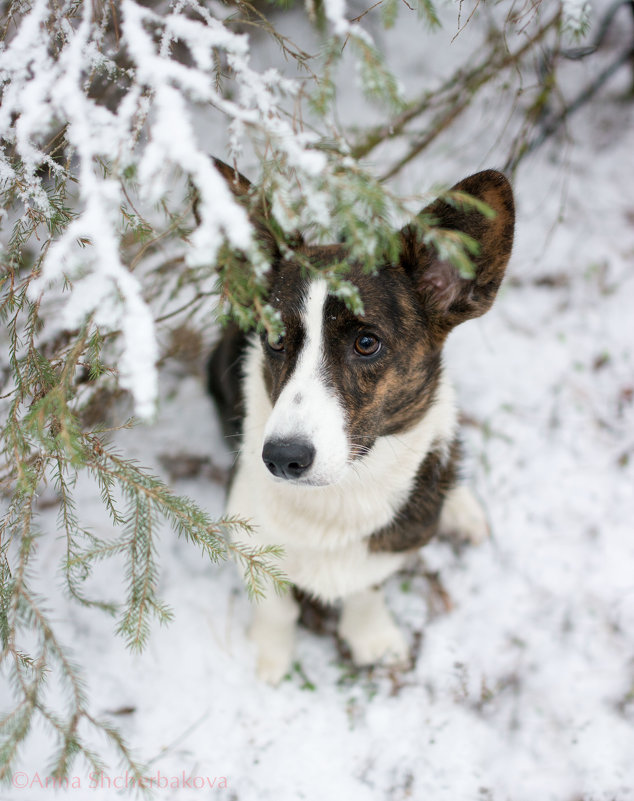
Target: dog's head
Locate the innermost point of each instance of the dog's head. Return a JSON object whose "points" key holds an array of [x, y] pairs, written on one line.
{"points": [[337, 381]]}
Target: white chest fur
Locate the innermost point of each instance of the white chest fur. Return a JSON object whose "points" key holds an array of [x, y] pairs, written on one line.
{"points": [[322, 529]]}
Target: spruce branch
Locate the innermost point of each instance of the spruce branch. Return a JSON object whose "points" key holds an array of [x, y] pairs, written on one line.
{"points": [[258, 569]]}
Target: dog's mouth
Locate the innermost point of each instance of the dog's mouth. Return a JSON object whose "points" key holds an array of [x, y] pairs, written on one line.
{"points": [[301, 482]]}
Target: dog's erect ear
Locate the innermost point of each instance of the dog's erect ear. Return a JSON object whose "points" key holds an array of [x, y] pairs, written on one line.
{"points": [[240, 186], [259, 214], [450, 298]]}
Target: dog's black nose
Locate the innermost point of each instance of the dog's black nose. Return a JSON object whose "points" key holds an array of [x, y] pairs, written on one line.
{"points": [[288, 459]]}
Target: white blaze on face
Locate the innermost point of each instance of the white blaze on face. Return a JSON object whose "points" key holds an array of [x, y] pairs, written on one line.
{"points": [[307, 410]]}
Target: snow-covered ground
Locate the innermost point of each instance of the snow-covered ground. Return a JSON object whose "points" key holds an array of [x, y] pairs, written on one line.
{"points": [[523, 682]]}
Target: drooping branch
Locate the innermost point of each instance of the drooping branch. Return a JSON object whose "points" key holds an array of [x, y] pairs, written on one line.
{"points": [[454, 96], [550, 123]]}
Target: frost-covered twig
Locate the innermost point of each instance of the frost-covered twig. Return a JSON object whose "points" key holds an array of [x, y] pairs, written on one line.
{"points": [[148, 134]]}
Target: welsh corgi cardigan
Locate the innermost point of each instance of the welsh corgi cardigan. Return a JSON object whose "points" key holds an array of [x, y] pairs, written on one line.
{"points": [[349, 444]]}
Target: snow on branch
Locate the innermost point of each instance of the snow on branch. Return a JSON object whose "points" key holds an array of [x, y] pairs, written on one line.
{"points": [[47, 72]]}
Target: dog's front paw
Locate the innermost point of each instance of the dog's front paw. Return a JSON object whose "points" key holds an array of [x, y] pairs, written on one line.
{"points": [[273, 632], [274, 649], [273, 664], [463, 518], [386, 645], [370, 632]]}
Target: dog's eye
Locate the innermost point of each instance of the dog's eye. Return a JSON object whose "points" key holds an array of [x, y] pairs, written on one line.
{"points": [[277, 346], [367, 345]]}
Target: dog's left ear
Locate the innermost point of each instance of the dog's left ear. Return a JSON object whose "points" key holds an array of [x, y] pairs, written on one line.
{"points": [[450, 298]]}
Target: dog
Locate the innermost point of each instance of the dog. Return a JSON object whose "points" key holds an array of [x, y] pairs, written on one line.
{"points": [[349, 450]]}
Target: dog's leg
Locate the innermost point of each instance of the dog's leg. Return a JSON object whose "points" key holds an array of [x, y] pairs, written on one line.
{"points": [[370, 631], [463, 518], [273, 632]]}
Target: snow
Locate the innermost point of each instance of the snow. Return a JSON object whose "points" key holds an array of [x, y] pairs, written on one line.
{"points": [[523, 682], [40, 88]]}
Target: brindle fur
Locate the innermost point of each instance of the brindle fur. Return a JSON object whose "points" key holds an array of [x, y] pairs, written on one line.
{"points": [[417, 522], [411, 306]]}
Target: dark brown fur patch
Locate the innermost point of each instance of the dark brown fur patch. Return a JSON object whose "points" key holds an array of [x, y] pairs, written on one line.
{"points": [[387, 393], [417, 521], [224, 379], [287, 295]]}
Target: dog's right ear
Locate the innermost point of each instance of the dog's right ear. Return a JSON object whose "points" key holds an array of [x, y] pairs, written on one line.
{"points": [[239, 185], [259, 214]]}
